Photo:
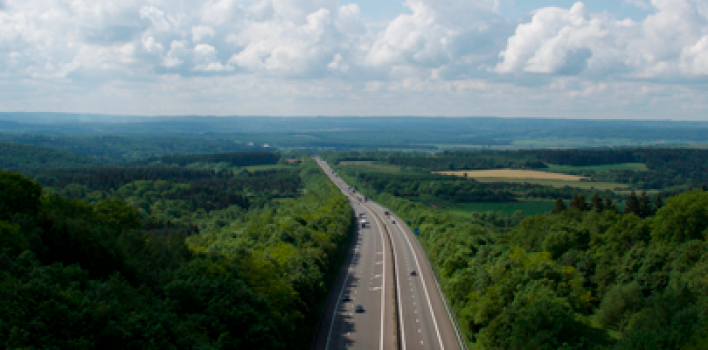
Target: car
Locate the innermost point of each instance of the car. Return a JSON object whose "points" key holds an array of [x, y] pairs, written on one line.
{"points": [[346, 297], [393, 221], [413, 273], [359, 308]]}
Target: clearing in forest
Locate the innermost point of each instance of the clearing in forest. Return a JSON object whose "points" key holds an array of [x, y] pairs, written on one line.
{"points": [[514, 174]]}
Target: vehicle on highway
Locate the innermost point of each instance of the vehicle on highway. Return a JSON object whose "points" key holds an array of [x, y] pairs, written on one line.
{"points": [[413, 273], [359, 308], [363, 223], [346, 297], [387, 213], [393, 222]]}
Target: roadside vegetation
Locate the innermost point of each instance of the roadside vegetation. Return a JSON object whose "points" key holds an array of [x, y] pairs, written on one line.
{"points": [[594, 271], [167, 258]]}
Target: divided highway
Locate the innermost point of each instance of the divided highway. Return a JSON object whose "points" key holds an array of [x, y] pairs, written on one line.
{"points": [[388, 273]]}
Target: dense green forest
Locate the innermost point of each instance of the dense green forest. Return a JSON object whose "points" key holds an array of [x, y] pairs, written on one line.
{"points": [[124, 149], [21, 157], [233, 159], [586, 276], [88, 273]]}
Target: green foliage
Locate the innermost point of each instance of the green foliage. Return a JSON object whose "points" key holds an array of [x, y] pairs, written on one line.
{"points": [[575, 279], [85, 276], [115, 212], [234, 159], [11, 239], [22, 157], [19, 195], [683, 218]]}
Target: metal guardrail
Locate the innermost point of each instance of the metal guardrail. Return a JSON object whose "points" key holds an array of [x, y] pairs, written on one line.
{"points": [[460, 339]]}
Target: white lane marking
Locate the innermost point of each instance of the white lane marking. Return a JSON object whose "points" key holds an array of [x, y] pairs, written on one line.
{"points": [[383, 295], [425, 286], [336, 308], [400, 311]]}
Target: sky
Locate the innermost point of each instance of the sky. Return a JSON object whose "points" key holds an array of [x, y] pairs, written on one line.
{"points": [[600, 59]]}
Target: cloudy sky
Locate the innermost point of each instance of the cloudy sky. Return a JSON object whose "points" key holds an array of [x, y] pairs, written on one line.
{"points": [[643, 59]]}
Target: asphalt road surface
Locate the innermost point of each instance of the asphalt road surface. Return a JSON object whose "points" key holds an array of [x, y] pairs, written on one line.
{"points": [[403, 310]]}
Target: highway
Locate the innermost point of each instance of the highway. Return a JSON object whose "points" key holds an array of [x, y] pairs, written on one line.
{"points": [[367, 277], [412, 309]]}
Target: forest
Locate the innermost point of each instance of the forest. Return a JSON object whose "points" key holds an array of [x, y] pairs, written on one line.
{"points": [[665, 167], [172, 242], [85, 270], [586, 276]]}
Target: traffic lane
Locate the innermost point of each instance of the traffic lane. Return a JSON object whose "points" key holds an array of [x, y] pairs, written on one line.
{"points": [[421, 329], [335, 321], [422, 294], [380, 282], [352, 324], [354, 330], [445, 327], [387, 326]]}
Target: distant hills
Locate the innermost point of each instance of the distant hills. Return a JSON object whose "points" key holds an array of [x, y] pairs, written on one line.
{"points": [[431, 133]]}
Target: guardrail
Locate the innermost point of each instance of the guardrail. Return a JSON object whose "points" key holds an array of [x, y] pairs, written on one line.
{"points": [[458, 333]]}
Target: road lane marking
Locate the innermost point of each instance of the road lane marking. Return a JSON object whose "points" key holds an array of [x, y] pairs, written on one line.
{"points": [[383, 244], [425, 287]]}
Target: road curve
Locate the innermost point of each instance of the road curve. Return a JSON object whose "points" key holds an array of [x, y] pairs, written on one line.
{"points": [[423, 320]]}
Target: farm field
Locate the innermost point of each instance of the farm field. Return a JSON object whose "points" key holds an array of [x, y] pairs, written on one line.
{"points": [[513, 174], [598, 168], [528, 208], [585, 185]]}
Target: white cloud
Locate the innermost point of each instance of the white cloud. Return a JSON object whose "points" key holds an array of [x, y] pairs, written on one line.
{"points": [[575, 42], [200, 33], [448, 48]]}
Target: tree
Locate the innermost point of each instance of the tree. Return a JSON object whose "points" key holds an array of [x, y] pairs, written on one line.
{"points": [[684, 218], [596, 203], [633, 205], [609, 204], [117, 214], [658, 202], [18, 194], [559, 207], [645, 206], [579, 203]]}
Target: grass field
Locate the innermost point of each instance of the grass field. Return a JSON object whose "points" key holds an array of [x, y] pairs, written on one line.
{"points": [[560, 183], [513, 174], [528, 208], [598, 168]]}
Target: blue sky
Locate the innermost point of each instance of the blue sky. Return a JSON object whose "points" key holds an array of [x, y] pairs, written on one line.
{"points": [[378, 10], [645, 59]]}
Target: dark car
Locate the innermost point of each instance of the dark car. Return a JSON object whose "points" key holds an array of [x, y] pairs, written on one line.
{"points": [[359, 308], [346, 297], [413, 273]]}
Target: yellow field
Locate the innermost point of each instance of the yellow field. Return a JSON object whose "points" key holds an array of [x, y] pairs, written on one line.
{"points": [[513, 174]]}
